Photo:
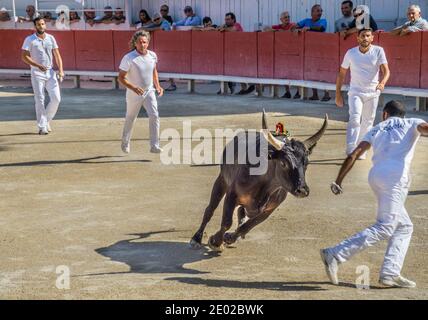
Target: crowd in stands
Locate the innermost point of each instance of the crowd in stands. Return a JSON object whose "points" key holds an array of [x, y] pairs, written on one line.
{"points": [[352, 20]]}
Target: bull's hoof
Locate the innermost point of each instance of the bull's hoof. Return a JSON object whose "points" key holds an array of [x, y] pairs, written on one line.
{"points": [[193, 244], [214, 247], [229, 238]]}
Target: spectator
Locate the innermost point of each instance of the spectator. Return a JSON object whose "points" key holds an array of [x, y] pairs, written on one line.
{"points": [[145, 20], [416, 22], [344, 22], [108, 16], [230, 25], [4, 15], [118, 16], [314, 24], [31, 14], [47, 16], [164, 11], [74, 16], [286, 25], [191, 19], [359, 23], [207, 24], [159, 23], [90, 16]]}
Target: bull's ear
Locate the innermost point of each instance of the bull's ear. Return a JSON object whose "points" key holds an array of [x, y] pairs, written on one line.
{"points": [[273, 154]]}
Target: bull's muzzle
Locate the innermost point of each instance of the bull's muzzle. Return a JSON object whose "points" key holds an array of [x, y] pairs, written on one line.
{"points": [[302, 192]]}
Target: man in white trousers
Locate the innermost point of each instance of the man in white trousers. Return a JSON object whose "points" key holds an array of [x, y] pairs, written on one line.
{"points": [[365, 88], [393, 142], [138, 73], [38, 51]]}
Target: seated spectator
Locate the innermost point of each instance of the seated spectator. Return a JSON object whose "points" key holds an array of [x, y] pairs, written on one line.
{"points": [[207, 25], [31, 14], [164, 11], [314, 24], [285, 25], [230, 23], [108, 16], [74, 16], [119, 16], [343, 23], [159, 23], [4, 15], [90, 16], [416, 22], [359, 22], [145, 20], [191, 19]]}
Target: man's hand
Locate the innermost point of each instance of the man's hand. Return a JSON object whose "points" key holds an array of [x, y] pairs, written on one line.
{"points": [[159, 90], [61, 75], [42, 68], [339, 100], [336, 189], [380, 86], [138, 90]]}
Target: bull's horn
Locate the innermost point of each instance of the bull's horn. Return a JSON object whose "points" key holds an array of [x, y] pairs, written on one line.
{"points": [[277, 144], [310, 142]]}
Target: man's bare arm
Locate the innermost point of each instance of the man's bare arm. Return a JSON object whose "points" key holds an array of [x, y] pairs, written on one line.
{"points": [[386, 74], [26, 57], [339, 83], [423, 129], [158, 87], [124, 81], [58, 61]]}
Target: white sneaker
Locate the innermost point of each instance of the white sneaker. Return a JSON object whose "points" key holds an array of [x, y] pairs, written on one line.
{"points": [[330, 264], [397, 282], [126, 148], [156, 149], [48, 127], [43, 131]]}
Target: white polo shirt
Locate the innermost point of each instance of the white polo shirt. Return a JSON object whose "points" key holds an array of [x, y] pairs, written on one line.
{"points": [[393, 142], [364, 68], [140, 69], [41, 49]]}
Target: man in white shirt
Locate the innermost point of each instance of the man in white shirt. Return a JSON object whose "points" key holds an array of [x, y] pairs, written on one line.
{"points": [[38, 51], [365, 89], [393, 142], [138, 73]]}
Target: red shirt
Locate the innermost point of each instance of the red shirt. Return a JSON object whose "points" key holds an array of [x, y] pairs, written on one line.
{"points": [[281, 27], [238, 27]]}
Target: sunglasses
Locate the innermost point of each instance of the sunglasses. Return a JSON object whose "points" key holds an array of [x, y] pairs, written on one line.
{"points": [[164, 10], [157, 19]]}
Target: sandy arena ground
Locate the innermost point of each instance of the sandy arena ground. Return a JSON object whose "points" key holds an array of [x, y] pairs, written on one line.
{"points": [[122, 223]]}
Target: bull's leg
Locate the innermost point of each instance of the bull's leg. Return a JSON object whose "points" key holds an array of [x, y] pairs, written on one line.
{"points": [[242, 215], [216, 241], [217, 193], [243, 229]]}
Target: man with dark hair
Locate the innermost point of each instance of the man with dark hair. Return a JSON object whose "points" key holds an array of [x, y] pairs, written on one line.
{"points": [[191, 19], [37, 52], [344, 22], [164, 11], [365, 61], [393, 141], [314, 24]]}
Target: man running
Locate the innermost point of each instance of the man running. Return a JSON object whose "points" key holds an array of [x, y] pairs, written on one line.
{"points": [[393, 142], [37, 52], [365, 89], [138, 73]]}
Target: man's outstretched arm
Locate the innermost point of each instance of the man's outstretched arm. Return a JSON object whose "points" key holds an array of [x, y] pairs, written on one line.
{"points": [[347, 166]]}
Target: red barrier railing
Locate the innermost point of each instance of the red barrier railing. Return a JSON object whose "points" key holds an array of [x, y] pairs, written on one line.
{"points": [[280, 55]]}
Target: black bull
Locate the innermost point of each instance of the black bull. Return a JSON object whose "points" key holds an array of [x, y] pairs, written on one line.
{"points": [[257, 196]]}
